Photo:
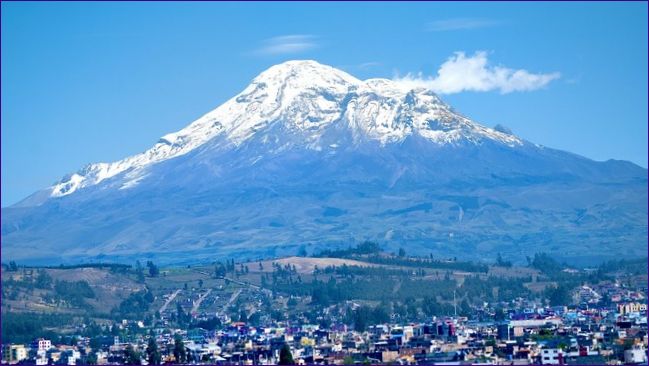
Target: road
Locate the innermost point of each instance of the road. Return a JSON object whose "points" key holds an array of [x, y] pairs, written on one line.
{"points": [[198, 302], [232, 298], [169, 300], [242, 283]]}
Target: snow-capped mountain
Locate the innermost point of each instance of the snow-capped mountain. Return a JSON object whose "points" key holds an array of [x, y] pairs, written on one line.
{"points": [[308, 98], [309, 155]]}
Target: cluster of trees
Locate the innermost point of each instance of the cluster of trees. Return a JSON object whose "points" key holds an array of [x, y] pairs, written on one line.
{"points": [[43, 280], [74, 292], [335, 291], [629, 266], [369, 251], [351, 271], [365, 315], [547, 265], [559, 295], [209, 324], [92, 265], [221, 270], [422, 262], [284, 272], [135, 305], [282, 275], [25, 327], [152, 269], [12, 267], [181, 316], [495, 289], [364, 248], [152, 354]]}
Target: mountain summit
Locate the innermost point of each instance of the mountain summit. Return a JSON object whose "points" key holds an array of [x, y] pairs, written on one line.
{"points": [[308, 155], [308, 99]]}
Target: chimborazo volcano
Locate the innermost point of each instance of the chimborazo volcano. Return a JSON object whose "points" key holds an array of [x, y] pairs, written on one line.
{"points": [[307, 156]]}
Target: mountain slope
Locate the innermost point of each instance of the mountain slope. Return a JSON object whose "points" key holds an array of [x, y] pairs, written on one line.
{"points": [[309, 155]]}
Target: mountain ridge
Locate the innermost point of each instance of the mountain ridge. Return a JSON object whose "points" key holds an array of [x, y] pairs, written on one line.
{"points": [[282, 84]]}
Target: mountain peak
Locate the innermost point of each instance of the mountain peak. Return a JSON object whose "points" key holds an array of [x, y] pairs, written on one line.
{"points": [[291, 77], [304, 101], [305, 69]]}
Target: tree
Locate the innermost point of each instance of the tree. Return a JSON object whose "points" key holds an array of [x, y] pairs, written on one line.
{"points": [[153, 355], [499, 314], [501, 262], [131, 356], [148, 296], [219, 270], [43, 280], [465, 308], [114, 329], [430, 306], [559, 295], [348, 360], [302, 251], [95, 343], [181, 315], [180, 353], [361, 318], [285, 355], [402, 252], [91, 359], [139, 272], [153, 269], [200, 283]]}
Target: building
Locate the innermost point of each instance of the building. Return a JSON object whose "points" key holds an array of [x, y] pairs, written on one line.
{"points": [[631, 307], [636, 355], [42, 344], [14, 353], [551, 356]]}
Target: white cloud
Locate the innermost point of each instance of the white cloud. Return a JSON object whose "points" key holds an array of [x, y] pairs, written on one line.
{"points": [[288, 44], [459, 24], [473, 73]]}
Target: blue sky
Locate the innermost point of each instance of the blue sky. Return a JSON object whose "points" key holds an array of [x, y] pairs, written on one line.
{"points": [[90, 82]]}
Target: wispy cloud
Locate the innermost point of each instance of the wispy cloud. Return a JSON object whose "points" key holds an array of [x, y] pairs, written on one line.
{"points": [[368, 65], [288, 44], [473, 73], [452, 24]]}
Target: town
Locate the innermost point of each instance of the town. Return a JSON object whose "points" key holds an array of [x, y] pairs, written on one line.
{"points": [[355, 306]]}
